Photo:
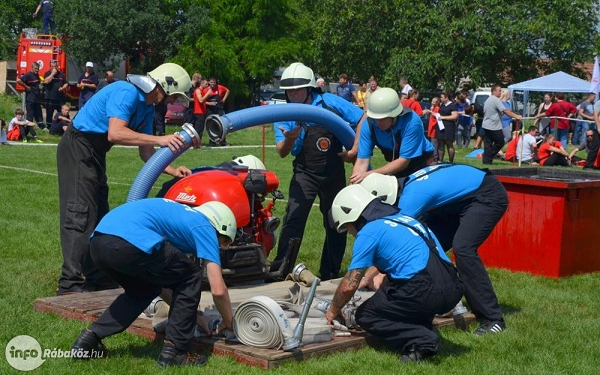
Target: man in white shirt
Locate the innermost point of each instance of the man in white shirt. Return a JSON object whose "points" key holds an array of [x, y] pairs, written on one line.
{"points": [[405, 88], [528, 152]]}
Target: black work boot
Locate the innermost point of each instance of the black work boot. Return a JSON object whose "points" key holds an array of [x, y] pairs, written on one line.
{"points": [[414, 354], [171, 356], [88, 346]]}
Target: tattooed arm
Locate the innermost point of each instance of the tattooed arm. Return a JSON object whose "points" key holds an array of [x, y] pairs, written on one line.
{"points": [[344, 293]]}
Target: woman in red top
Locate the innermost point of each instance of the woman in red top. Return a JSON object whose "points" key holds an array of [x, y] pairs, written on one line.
{"points": [[432, 126], [551, 152], [413, 102]]}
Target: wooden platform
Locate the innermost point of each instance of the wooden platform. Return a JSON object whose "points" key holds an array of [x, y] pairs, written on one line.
{"points": [[89, 306]]}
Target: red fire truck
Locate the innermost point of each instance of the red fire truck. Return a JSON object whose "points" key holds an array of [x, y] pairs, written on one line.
{"points": [[42, 48]]}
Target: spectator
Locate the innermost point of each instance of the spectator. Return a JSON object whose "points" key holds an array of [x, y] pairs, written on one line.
{"points": [[563, 109], [61, 121], [318, 168], [596, 115], [56, 86], [199, 107], [446, 130], [361, 95], [493, 109], [551, 152], [528, 152], [544, 122], [150, 253], [421, 280], [321, 86], [506, 119], [372, 88], [33, 97], [47, 9], [25, 127], [122, 113], [592, 145], [432, 126], [413, 102], [476, 109], [461, 204], [87, 83], [3, 135], [109, 77], [585, 112], [404, 89], [511, 148], [397, 132], [464, 122], [217, 96], [346, 90], [189, 111]]}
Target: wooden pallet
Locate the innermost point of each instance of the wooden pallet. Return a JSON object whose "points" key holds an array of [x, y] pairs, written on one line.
{"points": [[88, 307]]}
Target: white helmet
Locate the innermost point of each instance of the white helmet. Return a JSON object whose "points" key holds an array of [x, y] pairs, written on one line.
{"points": [[382, 186], [348, 204], [173, 79], [250, 161], [297, 76], [383, 103], [220, 216]]}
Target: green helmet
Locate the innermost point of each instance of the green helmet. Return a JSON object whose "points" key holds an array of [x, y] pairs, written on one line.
{"points": [[383, 103], [173, 79], [297, 76], [381, 186], [348, 204], [220, 216]]}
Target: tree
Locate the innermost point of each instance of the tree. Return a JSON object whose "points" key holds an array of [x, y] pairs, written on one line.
{"points": [[140, 30], [14, 17], [438, 43], [243, 42]]}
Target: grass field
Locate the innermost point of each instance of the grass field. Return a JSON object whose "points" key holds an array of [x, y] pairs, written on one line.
{"points": [[553, 325]]}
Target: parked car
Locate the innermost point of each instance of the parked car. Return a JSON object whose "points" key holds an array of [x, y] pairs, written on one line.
{"points": [[175, 114], [271, 96]]}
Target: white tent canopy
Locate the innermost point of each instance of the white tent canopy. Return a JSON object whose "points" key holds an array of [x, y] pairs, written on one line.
{"points": [[555, 82]]}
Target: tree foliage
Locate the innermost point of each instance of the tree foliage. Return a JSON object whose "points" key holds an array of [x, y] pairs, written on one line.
{"points": [[437, 43], [15, 15], [241, 42]]}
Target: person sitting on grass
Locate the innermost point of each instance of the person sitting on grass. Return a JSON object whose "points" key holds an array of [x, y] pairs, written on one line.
{"points": [[551, 153], [25, 126], [591, 145], [61, 121]]}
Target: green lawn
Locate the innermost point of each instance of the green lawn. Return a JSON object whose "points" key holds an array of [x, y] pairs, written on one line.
{"points": [[553, 325]]}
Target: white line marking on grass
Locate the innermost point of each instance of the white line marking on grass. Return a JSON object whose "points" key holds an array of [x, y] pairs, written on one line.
{"points": [[31, 144]]}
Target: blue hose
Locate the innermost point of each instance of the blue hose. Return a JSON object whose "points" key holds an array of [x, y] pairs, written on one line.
{"points": [[157, 163], [218, 127]]}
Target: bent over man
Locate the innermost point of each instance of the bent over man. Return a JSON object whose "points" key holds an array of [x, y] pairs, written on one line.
{"points": [[421, 280]]}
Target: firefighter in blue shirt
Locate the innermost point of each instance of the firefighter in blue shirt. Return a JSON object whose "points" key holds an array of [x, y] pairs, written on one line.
{"points": [[122, 113], [397, 132], [461, 205], [318, 167], [421, 280], [148, 254]]}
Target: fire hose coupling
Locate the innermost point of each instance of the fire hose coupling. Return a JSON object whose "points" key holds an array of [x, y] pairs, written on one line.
{"points": [[192, 139]]}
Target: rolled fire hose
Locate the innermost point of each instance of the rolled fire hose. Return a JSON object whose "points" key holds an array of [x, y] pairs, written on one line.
{"points": [[261, 323]]}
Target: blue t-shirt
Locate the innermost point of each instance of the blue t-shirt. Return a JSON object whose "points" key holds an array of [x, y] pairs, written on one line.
{"points": [[412, 136], [350, 113], [147, 223], [437, 185], [345, 92], [506, 119], [121, 100], [393, 248]]}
